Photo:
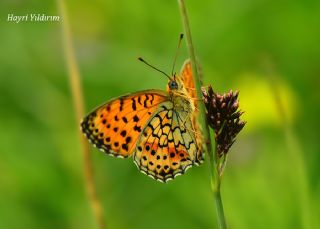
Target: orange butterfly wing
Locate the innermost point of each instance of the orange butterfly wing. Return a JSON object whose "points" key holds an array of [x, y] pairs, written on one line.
{"points": [[115, 126], [167, 146], [186, 76]]}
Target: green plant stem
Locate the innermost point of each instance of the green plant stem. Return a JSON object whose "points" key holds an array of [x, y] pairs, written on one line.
{"points": [[219, 208], [75, 86], [215, 186], [215, 179]]}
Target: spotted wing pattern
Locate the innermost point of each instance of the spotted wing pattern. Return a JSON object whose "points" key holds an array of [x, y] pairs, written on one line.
{"points": [[164, 139], [115, 126], [186, 76], [167, 146]]}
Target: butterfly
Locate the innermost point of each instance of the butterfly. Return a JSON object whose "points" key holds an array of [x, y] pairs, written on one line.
{"points": [[157, 128]]}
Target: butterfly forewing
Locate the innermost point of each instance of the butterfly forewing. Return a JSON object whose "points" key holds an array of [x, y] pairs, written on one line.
{"points": [[115, 126], [186, 76]]}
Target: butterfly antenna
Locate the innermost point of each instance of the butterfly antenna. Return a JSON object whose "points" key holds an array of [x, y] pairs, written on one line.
{"points": [[176, 55], [142, 60]]}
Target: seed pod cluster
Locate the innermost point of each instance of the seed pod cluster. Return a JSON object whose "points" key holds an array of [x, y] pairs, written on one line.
{"points": [[224, 117]]}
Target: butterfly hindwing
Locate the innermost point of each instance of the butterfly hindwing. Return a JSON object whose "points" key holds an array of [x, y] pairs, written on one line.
{"points": [[115, 126], [167, 146]]}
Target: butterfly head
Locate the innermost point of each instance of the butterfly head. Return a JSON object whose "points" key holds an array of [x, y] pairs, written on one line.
{"points": [[173, 85]]}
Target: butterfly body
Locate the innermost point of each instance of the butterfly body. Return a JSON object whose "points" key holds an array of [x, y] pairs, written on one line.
{"points": [[157, 128], [180, 97]]}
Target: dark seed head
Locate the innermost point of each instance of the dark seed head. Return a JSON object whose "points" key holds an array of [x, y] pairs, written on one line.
{"points": [[223, 117]]}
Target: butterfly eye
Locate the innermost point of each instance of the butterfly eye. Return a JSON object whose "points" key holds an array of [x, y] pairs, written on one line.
{"points": [[173, 85]]}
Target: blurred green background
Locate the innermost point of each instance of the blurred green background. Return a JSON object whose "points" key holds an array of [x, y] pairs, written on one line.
{"points": [[272, 176]]}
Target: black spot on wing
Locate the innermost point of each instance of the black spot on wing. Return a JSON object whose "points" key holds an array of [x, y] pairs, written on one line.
{"points": [[145, 101], [135, 118], [124, 119], [137, 128], [121, 104], [134, 106]]}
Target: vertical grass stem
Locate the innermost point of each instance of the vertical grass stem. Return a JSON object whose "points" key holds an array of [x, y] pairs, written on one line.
{"points": [[75, 86], [215, 179]]}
